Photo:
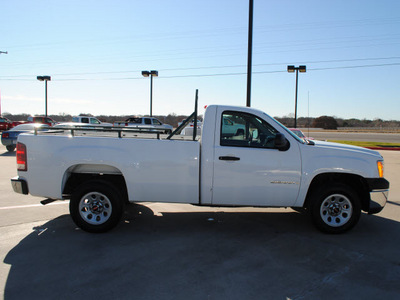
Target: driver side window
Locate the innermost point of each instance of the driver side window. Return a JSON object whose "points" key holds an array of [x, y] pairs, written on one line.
{"points": [[240, 129]]}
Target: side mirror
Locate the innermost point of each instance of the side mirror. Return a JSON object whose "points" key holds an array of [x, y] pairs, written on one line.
{"points": [[281, 143]]}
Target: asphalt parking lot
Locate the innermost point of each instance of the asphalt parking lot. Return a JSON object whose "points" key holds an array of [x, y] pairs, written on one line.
{"points": [[166, 251]]}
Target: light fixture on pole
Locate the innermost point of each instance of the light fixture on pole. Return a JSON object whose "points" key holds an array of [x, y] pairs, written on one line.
{"points": [[45, 79], [292, 69], [151, 74]]}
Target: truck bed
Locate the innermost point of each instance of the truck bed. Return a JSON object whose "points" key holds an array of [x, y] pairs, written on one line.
{"points": [[171, 165]]}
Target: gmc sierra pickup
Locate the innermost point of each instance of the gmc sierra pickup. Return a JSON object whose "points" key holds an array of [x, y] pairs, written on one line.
{"points": [[250, 160]]}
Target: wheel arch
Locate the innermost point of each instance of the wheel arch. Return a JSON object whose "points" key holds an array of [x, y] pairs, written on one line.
{"points": [[78, 174], [358, 183]]}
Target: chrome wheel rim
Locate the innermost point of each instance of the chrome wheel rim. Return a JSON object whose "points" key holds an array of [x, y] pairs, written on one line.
{"points": [[95, 208], [336, 210]]}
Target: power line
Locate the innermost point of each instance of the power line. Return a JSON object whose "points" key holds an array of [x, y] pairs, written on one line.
{"points": [[209, 52], [354, 67], [11, 77], [216, 32], [217, 74]]}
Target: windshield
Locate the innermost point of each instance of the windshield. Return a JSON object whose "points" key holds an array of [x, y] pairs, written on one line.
{"points": [[288, 131]]}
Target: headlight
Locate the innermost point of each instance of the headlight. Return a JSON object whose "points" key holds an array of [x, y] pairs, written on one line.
{"points": [[380, 168]]}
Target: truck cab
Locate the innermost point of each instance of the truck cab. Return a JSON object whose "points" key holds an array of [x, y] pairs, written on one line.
{"points": [[42, 120], [89, 120]]}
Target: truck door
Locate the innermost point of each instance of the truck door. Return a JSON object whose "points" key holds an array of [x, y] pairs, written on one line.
{"points": [[248, 169]]}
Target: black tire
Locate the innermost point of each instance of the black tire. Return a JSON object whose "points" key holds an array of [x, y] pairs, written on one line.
{"points": [[300, 210], [168, 131], [335, 208], [96, 206], [10, 148]]}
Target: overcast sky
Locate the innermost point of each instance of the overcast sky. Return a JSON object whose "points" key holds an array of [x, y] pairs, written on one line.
{"points": [[95, 51]]}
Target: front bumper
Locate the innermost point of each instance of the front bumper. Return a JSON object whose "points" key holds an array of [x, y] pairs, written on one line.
{"points": [[379, 192], [19, 185]]}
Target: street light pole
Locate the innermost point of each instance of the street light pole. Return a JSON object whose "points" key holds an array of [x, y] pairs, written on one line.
{"points": [[45, 79], [150, 74], [292, 69], [151, 95]]}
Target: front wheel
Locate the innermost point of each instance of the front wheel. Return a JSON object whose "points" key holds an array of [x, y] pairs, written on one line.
{"points": [[335, 208], [96, 206]]}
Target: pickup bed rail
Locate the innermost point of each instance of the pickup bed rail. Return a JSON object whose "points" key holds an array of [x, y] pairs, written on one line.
{"points": [[117, 132]]}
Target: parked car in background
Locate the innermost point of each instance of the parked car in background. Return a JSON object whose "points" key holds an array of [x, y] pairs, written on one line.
{"points": [[16, 123], [188, 130], [9, 138], [90, 120], [148, 123], [42, 120], [71, 125], [231, 128], [5, 124], [191, 123], [300, 134]]}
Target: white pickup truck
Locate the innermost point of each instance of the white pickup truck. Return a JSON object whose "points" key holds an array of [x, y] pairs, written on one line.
{"points": [[89, 120], [262, 164], [146, 123]]}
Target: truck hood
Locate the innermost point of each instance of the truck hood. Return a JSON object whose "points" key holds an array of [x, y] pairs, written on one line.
{"points": [[344, 147]]}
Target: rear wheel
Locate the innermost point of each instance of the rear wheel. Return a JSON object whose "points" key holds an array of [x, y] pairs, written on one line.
{"points": [[10, 148], [96, 206], [335, 208]]}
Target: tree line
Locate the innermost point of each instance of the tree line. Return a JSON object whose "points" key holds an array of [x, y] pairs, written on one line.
{"points": [[171, 119], [331, 122], [325, 122]]}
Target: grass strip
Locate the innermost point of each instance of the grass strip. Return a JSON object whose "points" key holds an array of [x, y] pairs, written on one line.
{"points": [[367, 144]]}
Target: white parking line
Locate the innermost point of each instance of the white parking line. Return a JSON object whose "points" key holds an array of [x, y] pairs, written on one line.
{"points": [[32, 205]]}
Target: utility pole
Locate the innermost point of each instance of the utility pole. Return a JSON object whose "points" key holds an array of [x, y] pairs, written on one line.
{"points": [[249, 53]]}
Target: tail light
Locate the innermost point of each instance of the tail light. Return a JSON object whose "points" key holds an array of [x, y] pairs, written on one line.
{"points": [[22, 163], [5, 135]]}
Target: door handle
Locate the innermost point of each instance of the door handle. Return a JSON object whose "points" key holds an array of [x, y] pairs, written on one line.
{"points": [[229, 158]]}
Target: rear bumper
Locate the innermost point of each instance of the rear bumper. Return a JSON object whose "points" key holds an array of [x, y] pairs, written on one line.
{"points": [[19, 186], [8, 142], [379, 192]]}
